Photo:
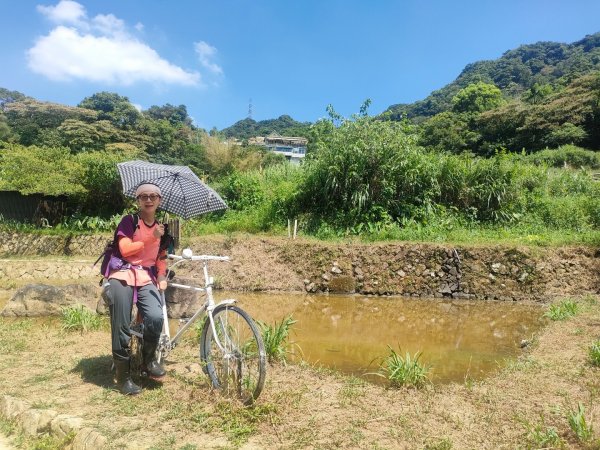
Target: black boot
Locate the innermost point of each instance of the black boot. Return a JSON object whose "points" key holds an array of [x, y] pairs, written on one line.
{"points": [[150, 364], [124, 382]]}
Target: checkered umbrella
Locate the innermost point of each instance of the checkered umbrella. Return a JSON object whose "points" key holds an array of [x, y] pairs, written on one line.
{"points": [[182, 191]]}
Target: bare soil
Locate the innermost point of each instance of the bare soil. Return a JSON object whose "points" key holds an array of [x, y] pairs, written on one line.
{"points": [[307, 407]]}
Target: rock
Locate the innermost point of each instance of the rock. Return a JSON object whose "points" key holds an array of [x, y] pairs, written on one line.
{"points": [[35, 300], [326, 276], [342, 285], [63, 424], [88, 439], [182, 302], [35, 421], [524, 343]]}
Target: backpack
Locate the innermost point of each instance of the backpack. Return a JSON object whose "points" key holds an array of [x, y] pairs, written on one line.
{"points": [[110, 256]]}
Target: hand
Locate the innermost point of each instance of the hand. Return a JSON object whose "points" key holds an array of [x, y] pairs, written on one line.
{"points": [[162, 285], [159, 230]]}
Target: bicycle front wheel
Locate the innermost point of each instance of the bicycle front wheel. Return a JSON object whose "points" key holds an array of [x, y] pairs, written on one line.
{"points": [[233, 355]]}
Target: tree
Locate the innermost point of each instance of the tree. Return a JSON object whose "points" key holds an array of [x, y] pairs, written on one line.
{"points": [[537, 93], [449, 131], [175, 115], [113, 107], [49, 170], [476, 98]]}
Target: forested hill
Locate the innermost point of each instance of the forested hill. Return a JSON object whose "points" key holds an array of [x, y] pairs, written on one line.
{"points": [[284, 125], [515, 72]]}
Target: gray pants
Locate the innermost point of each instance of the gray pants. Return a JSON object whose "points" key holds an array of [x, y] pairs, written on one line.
{"points": [[149, 304]]}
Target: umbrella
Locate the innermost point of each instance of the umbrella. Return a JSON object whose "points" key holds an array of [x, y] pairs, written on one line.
{"points": [[183, 193]]}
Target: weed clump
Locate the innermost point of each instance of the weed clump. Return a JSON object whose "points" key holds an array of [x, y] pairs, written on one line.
{"points": [[562, 311], [80, 318]]}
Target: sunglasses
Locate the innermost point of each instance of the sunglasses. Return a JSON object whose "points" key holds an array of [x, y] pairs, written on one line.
{"points": [[146, 197]]}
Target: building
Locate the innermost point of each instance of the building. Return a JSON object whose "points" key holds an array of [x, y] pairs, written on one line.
{"points": [[293, 148]]}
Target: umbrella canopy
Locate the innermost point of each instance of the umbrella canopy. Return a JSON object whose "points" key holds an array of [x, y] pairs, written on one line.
{"points": [[183, 193]]}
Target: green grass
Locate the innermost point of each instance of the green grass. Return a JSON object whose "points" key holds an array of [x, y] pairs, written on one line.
{"points": [[540, 436], [594, 353], [562, 311], [80, 318], [579, 424], [13, 335], [404, 370], [276, 339]]}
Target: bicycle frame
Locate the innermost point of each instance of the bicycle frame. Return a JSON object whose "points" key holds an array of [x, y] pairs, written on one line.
{"points": [[167, 344]]}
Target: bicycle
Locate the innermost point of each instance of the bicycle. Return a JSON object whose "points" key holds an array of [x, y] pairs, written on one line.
{"points": [[232, 351]]}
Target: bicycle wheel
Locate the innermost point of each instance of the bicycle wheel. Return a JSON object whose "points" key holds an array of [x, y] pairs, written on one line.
{"points": [[234, 356]]}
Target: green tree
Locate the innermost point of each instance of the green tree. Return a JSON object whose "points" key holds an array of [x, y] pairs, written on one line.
{"points": [[113, 107], [49, 170], [477, 98], [449, 131], [175, 115]]}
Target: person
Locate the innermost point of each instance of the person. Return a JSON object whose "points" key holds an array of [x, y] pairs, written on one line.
{"points": [[139, 281]]}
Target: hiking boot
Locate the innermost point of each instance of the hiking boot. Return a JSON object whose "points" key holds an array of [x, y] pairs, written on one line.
{"points": [[124, 382], [150, 365]]}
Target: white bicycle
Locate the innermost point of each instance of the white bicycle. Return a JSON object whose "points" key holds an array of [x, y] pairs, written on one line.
{"points": [[232, 352]]}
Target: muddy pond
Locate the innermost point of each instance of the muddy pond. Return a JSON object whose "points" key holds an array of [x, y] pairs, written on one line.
{"points": [[458, 339]]}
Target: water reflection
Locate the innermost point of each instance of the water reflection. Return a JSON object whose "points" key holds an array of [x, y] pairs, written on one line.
{"points": [[459, 339]]}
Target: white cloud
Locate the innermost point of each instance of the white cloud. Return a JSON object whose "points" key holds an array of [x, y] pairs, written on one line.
{"points": [[66, 11], [205, 54], [65, 54], [99, 49], [108, 24]]}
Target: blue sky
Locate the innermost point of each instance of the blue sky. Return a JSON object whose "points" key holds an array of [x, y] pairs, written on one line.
{"points": [[283, 56]]}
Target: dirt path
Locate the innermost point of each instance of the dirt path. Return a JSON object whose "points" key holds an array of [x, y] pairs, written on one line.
{"points": [[306, 407]]}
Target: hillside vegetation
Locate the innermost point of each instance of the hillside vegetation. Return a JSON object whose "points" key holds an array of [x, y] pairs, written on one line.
{"points": [[516, 161]]}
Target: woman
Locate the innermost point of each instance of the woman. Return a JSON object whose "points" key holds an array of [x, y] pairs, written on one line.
{"points": [[139, 281]]}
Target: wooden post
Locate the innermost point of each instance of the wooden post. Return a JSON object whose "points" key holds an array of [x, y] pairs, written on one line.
{"points": [[289, 229], [295, 227]]}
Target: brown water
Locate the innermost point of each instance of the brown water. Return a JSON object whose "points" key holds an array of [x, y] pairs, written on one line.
{"points": [[459, 339]]}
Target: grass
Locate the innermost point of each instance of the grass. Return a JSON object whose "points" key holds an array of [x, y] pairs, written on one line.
{"points": [[13, 335], [579, 425], [275, 338], [562, 311], [80, 318], [404, 370], [594, 353], [541, 436]]}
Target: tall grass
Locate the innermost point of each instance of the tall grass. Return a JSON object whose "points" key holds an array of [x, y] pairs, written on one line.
{"points": [[579, 424], [404, 370], [276, 339], [80, 318], [594, 353]]}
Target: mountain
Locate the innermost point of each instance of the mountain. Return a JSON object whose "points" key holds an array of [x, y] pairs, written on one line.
{"points": [[284, 125], [515, 72]]}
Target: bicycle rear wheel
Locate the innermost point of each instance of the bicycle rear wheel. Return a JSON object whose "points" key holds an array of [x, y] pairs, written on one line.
{"points": [[234, 358]]}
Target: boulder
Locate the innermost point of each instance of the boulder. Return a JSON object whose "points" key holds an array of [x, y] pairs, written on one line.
{"points": [[182, 302], [34, 300]]}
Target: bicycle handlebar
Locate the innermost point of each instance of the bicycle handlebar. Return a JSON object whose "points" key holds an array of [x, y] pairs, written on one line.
{"points": [[200, 257]]}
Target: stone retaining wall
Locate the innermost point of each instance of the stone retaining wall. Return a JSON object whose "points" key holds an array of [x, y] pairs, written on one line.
{"points": [[277, 264]]}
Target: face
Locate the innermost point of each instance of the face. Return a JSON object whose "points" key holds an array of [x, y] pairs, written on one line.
{"points": [[148, 201]]}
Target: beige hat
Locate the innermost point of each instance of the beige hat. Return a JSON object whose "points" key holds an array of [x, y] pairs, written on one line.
{"points": [[147, 188]]}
